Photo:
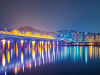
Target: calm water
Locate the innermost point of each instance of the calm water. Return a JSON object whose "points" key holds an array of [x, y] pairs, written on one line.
{"points": [[64, 60]]}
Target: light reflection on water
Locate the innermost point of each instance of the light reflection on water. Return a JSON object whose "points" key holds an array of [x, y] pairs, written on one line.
{"points": [[16, 60]]}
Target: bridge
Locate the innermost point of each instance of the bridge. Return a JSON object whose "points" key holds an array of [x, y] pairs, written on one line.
{"points": [[17, 33], [16, 36]]}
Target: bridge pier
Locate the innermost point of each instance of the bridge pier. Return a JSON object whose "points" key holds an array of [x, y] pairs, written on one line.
{"points": [[15, 45], [22, 44], [48, 44], [8, 44], [28, 44], [4, 44], [33, 44]]}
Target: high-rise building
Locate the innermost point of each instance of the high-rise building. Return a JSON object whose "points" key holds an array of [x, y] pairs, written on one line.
{"points": [[73, 35], [81, 36]]}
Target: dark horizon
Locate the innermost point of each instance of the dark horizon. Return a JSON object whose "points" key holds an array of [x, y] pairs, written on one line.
{"points": [[51, 15]]}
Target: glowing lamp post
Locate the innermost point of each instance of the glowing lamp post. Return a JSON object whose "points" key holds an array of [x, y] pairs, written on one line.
{"points": [[53, 44], [57, 44], [3, 43], [33, 44], [8, 44], [22, 41]]}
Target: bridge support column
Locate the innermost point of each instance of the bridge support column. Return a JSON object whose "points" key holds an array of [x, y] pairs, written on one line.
{"points": [[8, 44], [33, 45], [15, 45], [4, 44], [22, 44], [45, 43], [59, 43], [42, 44], [52, 43], [55, 43], [49, 43], [28, 46]]}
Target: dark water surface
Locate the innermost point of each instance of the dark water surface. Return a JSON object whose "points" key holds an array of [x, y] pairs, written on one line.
{"points": [[63, 60]]}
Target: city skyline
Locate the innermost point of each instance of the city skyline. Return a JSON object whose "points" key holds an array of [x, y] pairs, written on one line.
{"points": [[5, 29], [65, 35]]}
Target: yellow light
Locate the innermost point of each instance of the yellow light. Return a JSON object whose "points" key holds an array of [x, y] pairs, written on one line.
{"points": [[53, 43], [8, 44], [3, 60], [3, 41], [57, 44], [90, 52], [22, 41], [22, 57], [29, 34], [45, 44], [42, 43], [33, 54], [8, 41], [33, 44], [29, 48], [8, 56], [33, 41]]}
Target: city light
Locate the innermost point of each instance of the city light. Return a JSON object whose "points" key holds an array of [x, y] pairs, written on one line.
{"points": [[8, 44], [3, 60], [27, 34], [22, 57]]}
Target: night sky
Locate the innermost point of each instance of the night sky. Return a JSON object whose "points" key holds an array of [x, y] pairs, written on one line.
{"points": [[51, 15]]}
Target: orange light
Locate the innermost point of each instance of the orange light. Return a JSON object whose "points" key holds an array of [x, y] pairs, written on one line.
{"points": [[3, 41], [8, 44], [57, 43], [3, 60], [29, 48], [8, 56], [16, 52]]}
